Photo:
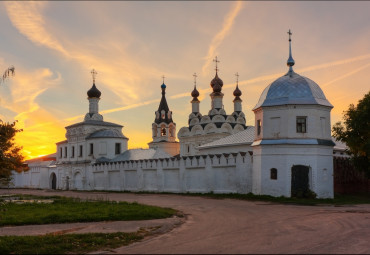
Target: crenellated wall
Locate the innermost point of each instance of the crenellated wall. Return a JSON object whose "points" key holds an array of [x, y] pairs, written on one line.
{"points": [[218, 173], [221, 173]]}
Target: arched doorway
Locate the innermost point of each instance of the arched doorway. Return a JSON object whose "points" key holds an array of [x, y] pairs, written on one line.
{"points": [[53, 181], [78, 181], [300, 185]]}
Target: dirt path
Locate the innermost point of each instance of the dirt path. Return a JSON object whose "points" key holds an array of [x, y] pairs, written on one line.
{"points": [[235, 226]]}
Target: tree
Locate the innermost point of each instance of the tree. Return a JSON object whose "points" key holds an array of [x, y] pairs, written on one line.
{"points": [[355, 132], [10, 154], [11, 157], [8, 72]]}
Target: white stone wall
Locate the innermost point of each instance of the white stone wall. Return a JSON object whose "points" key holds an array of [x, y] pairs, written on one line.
{"points": [[280, 121], [319, 160], [212, 173]]}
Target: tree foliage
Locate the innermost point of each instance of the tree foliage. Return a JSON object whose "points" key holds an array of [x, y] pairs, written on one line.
{"points": [[11, 157], [8, 72], [355, 132]]}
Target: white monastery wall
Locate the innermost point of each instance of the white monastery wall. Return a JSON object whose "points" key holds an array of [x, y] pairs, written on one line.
{"points": [[221, 173]]}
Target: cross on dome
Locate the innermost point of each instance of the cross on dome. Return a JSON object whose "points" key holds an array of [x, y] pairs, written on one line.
{"points": [[290, 61], [289, 33], [94, 73], [195, 79], [237, 78], [216, 61], [163, 78]]}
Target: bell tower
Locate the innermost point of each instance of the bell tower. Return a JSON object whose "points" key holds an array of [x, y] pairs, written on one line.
{"points": [[163, 127]]}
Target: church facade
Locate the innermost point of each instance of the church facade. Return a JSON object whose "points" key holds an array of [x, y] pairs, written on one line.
{"points": [[288, 152]]}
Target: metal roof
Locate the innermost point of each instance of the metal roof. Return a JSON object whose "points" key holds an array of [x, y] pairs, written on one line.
{"points": [[96, 123], [296, 141], [243, 137], [137, 154], [292, 88], [106, 133]]}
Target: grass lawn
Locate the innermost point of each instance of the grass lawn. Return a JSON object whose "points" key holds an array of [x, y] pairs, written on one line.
{"points": [[62, 244], [337, 200], [64, 210]]}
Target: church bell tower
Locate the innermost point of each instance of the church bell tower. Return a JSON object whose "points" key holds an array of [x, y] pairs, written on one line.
{"points": [[163, 127]]}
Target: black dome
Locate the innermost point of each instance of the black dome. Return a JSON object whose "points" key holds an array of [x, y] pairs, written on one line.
{"points": [[195, 92], [93, 92], [217, 81], [237, 92]]}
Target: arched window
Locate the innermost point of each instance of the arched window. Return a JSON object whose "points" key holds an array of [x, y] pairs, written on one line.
{"points": [[273, 174], [163, 131]]}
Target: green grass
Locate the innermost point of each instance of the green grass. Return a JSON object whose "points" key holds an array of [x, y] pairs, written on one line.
{"points": [[338, 199], [62, 244], [65, 210]]}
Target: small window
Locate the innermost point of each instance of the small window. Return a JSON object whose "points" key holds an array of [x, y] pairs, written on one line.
{"points": [[91, 149], [301, 124], [273, 174], [118, 148], [61, 152], [65, 152], [188, 146], [80, 154], [259, 127], [73, 152]]}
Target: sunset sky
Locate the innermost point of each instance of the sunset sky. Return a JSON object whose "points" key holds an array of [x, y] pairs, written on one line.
{"points": [[54, 46]]}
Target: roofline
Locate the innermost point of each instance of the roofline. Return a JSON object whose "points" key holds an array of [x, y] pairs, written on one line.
{"points": [[102, 137], [223, 145], [99, 123], [263, 106]]}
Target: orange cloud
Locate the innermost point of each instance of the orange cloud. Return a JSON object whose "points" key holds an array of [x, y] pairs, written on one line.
{"points": [[220, 36]]}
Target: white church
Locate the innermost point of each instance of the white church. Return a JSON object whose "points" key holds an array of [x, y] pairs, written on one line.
{"points": [[288, 151]]}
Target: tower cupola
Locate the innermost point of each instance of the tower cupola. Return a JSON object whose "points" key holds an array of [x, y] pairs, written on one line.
{"points": [[93, 95], [237, 93], [195, 94]]}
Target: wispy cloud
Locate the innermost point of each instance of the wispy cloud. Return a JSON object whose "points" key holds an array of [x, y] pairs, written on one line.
{"points": [[118, 71], [245, 82], [220, 36], [21, 97], [335, 63], [346, 75], [26, 17]]}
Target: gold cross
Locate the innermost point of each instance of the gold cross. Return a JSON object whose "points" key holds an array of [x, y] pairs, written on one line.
{"points": [[93, 73], [289, 33], [217, 61], [163, 78], [237, 78], [195, 78]]}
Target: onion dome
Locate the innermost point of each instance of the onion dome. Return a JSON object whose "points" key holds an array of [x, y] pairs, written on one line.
{"points": [[217, 82], [217, 88], [195, 92], [292, 88], [93, 92], [163, 86], [237, 92]]}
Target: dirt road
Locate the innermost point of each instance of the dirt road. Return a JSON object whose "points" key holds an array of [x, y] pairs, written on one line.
{"points": [[236, 226]]}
